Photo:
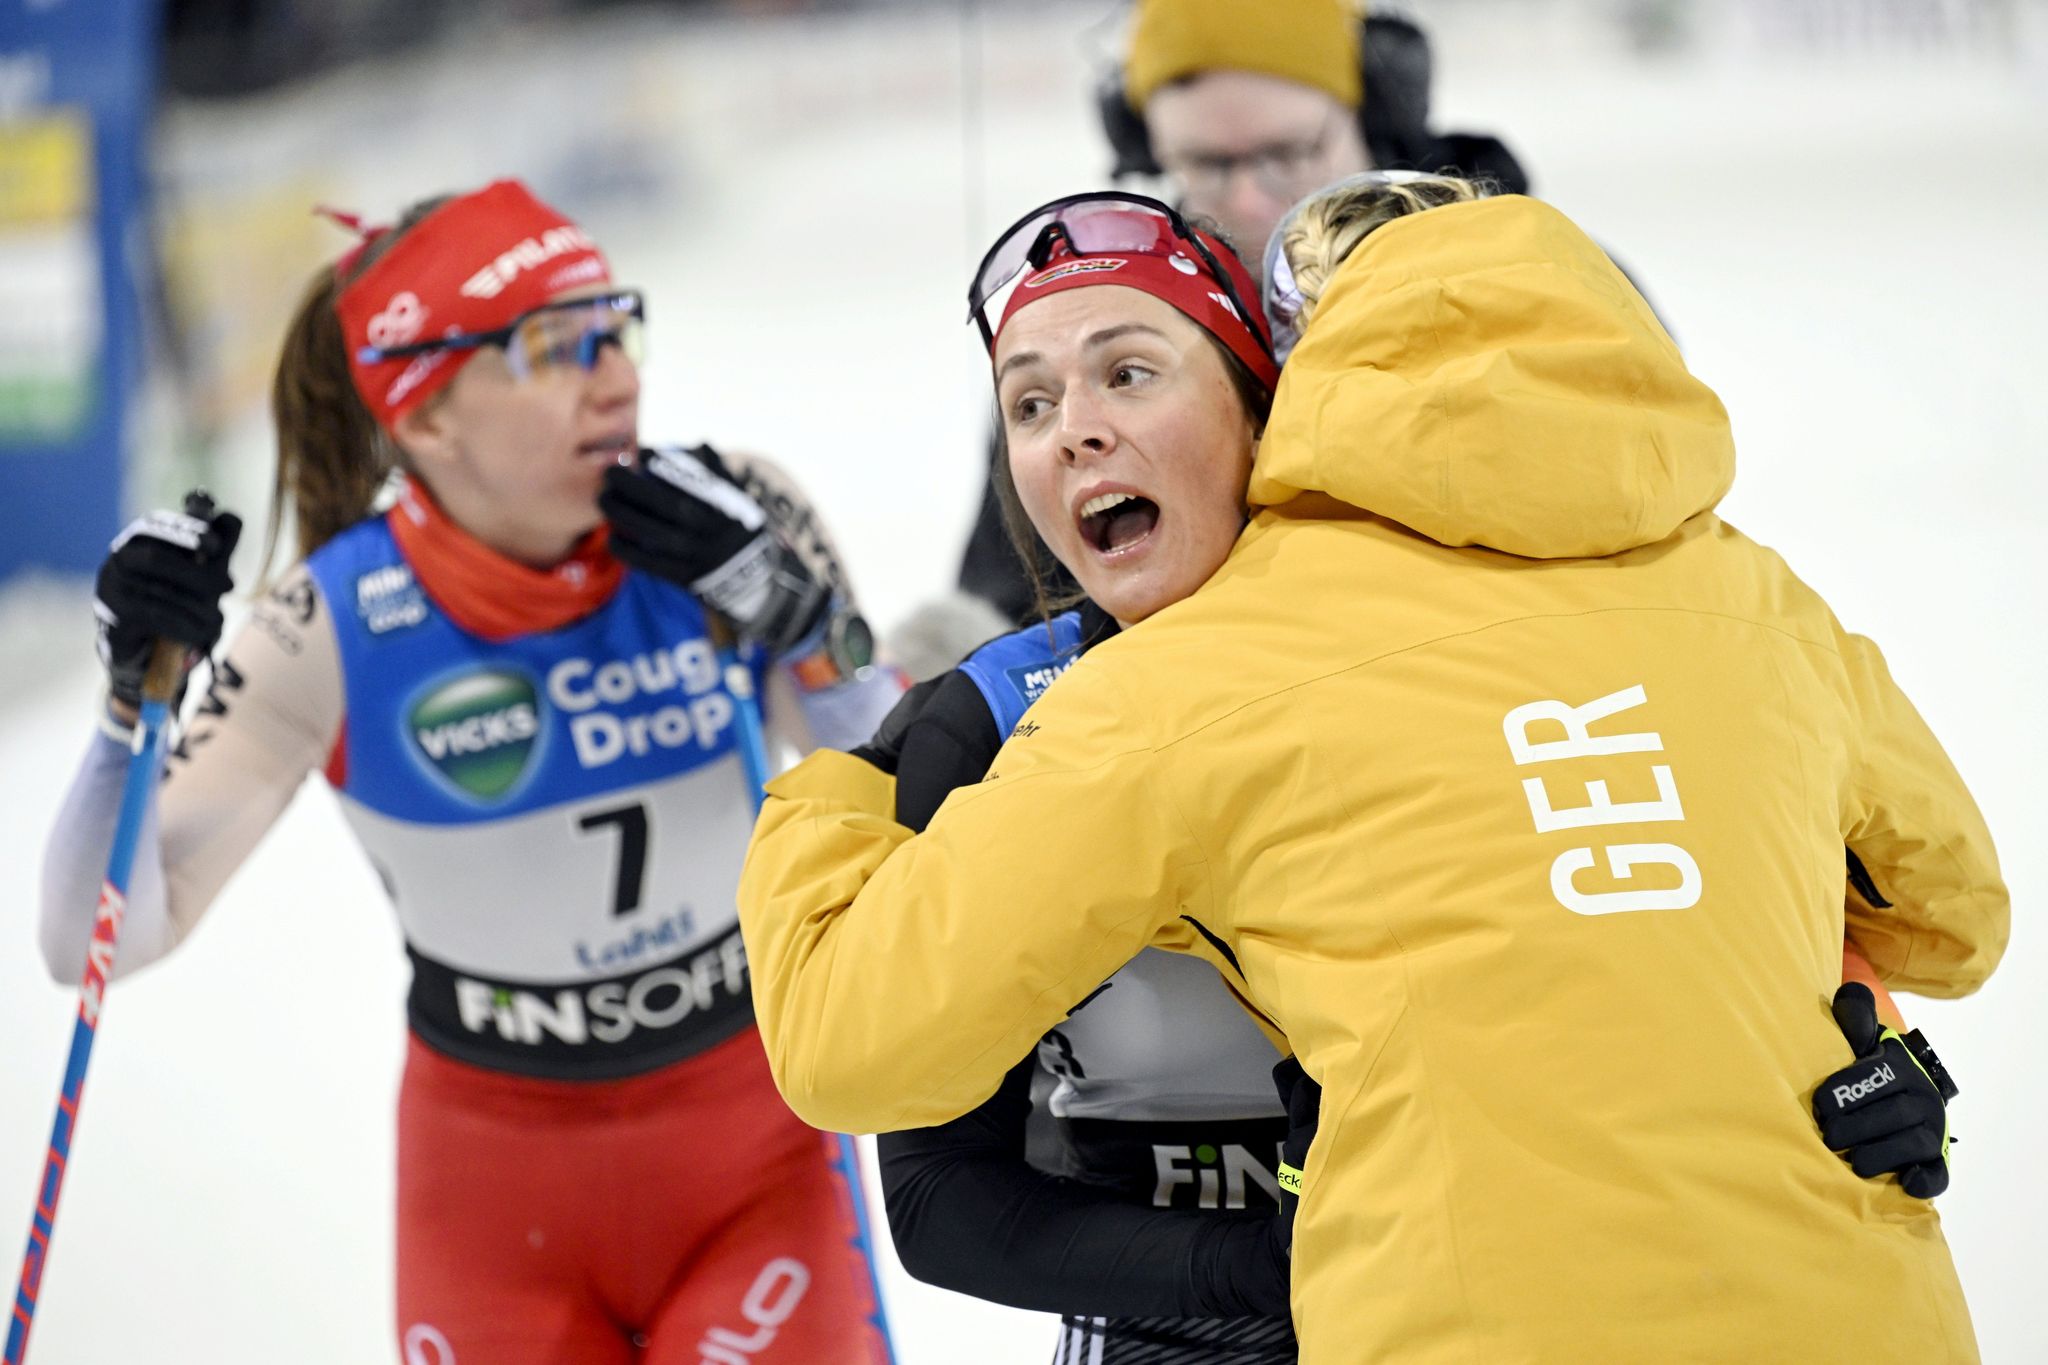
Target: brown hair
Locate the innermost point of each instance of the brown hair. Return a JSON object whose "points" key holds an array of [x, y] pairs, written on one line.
{"points": [[1052, 591], [332, 457]]}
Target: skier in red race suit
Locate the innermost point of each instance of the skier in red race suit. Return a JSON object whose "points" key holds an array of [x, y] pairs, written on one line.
{"points": [[512, 680]]}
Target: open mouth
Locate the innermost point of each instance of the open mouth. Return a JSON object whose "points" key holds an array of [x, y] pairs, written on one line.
{"points": [[618, 448], [1116, 523]]}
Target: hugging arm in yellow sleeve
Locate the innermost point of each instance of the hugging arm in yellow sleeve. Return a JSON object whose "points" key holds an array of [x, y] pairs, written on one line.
{"points": [[1926, 903], [896, 979]]}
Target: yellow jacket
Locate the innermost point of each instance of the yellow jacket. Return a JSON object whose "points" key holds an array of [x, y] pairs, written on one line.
{"points": [[1508, 782]]}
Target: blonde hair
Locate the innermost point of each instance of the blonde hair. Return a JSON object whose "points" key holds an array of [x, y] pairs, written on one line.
{"points": [[1324, 231]]}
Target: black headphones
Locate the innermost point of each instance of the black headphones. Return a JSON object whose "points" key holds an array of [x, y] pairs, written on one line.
{"points": [[1395, 66]]}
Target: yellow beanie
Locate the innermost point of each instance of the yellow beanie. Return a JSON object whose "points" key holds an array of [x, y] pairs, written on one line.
{"points": [[1312, 42]]}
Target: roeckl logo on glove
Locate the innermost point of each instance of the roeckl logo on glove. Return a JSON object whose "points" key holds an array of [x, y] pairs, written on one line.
{"points": [[1877, 1080]]}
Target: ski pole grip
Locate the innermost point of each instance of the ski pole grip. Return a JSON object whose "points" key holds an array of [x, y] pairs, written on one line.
{"points": [[167, 659]]}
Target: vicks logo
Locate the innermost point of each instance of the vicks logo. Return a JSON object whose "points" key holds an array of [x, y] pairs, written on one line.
{"points": [[479, 731]]}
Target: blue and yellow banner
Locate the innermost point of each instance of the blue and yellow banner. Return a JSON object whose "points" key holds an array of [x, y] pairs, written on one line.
{"points": [[77, 85]]}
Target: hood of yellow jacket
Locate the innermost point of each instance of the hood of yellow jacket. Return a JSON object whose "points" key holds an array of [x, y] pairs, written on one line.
{"points": [[1483, 374]]}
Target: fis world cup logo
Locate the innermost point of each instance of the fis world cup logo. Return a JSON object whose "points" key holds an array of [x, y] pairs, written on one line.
{"points": [[479, 732]]}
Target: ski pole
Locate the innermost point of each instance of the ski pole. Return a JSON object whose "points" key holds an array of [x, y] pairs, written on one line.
{"points": [[739, 680], [159, 686]]}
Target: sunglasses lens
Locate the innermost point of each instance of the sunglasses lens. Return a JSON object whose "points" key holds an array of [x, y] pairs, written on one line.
{"points": [[575, 334], [1110, 223], [1006, 260], [1111, 226]]}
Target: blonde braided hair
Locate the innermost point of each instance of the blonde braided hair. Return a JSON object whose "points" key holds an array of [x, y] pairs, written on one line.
{"points": [[1324, 231]]}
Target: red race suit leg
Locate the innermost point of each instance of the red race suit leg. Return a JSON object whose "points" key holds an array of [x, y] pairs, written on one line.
{"points": [[782, 1284], [631, 1221]]}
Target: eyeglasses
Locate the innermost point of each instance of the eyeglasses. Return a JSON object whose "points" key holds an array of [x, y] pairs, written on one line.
{"points": [[552, 336], [1283, 169], [1098, 223]]}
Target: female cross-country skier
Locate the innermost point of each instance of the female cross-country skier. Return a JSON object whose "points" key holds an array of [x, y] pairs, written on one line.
{"points": [[1156, 1239], [525, 719], [1502, 778]]}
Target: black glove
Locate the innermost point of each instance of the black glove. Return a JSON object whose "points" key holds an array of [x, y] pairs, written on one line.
{"points": [[887, 746], [1888, 1111], [1250, 1269], [163, 579], [1303, 1100], [682, 516]]}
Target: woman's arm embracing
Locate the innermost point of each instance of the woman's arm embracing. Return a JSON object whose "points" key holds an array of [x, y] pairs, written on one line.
{"points": [[888, 995], [1926, 903]]}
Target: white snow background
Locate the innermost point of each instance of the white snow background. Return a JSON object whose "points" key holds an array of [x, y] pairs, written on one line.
{"points": [[1847, 239]]}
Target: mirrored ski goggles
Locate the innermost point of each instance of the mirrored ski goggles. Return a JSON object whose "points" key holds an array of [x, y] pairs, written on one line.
{"points": [[1098, 223], [552, 336]]}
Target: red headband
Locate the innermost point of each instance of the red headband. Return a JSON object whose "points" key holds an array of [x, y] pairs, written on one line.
{"points": [[1179, 278], [472, 265]]}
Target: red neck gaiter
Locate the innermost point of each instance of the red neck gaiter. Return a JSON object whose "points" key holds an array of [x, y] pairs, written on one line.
{"points": [[492, 597]]}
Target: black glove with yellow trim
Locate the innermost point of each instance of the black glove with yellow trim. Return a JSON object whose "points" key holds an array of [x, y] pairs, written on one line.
{"points": [[1887, 1112], [1246, 1267], [1303, 1100]]}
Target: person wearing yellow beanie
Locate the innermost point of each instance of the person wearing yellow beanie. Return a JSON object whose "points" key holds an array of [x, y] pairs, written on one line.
{"points": [[1309, 42], [1249, 104]]}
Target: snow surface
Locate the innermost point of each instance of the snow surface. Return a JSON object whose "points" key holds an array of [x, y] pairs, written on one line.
{"points": [[1847, 244]]}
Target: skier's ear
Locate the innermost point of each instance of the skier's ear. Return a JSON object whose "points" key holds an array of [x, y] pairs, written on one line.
{"points": [[426, 432]]}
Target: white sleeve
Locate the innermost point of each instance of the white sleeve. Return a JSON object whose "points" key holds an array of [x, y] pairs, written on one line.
{"points": [[75, 863], [271, 714], [846, 716]]}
